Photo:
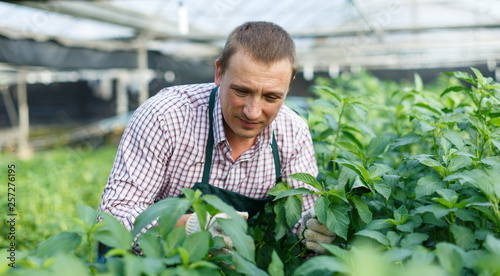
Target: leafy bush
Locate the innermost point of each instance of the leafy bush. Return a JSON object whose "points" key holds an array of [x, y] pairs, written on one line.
{"points": [[408, 181]]}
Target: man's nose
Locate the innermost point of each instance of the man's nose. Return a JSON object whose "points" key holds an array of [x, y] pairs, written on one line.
{"points": [[252, 109]]}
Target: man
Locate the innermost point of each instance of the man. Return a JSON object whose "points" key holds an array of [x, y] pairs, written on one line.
{"points": [[233, 137]]}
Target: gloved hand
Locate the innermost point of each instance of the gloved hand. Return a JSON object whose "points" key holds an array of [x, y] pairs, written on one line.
{"points": [[314, 231], [193, 226]]}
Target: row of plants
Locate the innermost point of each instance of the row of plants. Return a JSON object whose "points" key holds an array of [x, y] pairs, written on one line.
{"points": [[49, 187], [408, 181]]}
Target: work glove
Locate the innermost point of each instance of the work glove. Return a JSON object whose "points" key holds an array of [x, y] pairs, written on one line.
{"points": [[193, 226], [314, 231]]}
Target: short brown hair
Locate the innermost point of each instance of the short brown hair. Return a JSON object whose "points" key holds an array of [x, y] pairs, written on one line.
{"points": [[265, 41]]}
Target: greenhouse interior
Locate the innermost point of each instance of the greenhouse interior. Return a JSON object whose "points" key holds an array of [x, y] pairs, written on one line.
{"points": [[405, 88]]}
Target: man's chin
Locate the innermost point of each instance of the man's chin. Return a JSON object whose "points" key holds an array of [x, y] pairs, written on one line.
{"points": [[247, 134]]}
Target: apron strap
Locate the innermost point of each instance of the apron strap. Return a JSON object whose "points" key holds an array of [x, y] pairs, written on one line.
{"points": [[210, 139], [276, 155]]}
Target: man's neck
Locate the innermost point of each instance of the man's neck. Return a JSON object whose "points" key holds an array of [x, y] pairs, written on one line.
{"points": [[237, 143]]}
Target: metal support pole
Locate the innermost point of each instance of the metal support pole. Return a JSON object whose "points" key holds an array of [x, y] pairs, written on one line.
{"points": [[142, 55], [24, 151], [9, 105], [121, 93]]}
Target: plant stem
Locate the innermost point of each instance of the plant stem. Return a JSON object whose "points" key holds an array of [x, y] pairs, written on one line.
{"points": [[290, 250], [89, 245], [344, 105]]}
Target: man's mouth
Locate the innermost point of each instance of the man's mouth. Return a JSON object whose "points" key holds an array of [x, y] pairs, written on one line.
{"points": [[248, 124]]}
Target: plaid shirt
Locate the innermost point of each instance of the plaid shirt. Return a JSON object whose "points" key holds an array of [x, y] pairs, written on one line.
{"points": [[163, 150]]}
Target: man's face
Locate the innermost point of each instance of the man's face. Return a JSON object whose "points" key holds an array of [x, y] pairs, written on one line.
{"points": [[251, 94]]}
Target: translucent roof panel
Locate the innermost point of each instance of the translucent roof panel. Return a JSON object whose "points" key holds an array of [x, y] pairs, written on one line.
{"points": [[30, 20], [369, 33]]}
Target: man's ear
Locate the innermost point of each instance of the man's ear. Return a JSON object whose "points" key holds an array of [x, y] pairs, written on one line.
{"points": [[218, 74]]}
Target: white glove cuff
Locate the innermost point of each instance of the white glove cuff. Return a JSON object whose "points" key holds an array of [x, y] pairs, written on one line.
{"points": [[192, 224]]}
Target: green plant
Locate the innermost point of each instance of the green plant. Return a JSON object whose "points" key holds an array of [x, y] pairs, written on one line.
{"points": [[408, 180]]}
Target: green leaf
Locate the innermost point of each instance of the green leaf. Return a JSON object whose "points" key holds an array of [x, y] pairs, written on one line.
{"points": [[63, 265], [168, 220], [338, 193], [244, 266], [197, 245], [281, 226], [457, 162], [449, 195], [428, 107], [276, 267], [419, 84], [477, 178], [321, 263], [165, 206], [413, 240], [401, 214], [375, 235], [173, 240], [405, 140], [393, 238], [113, 234], [220, 205], [342, 254], [335, 217], [438, 210], [496, 143], [449, 257], [377, 146], [308, 179], [452, 89], [321, 206], [293, 210], [383, 188], [410, 224], [62, 243], [292, 192], [492, 244], [454, 137], [278, 188], [350, 147], [357, 167], [330, 91], [464, 237], [87, 215], [133, 265], [378, 170], [435, 165], [427, 185], [242, 242], [213, 269], [463, 76], [184, 255], [150, 245], [474, 121], [364, 212], [478, 74], [360, 110]]}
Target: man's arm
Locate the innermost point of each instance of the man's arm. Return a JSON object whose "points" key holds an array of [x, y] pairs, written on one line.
{"points": [[138, 172]]}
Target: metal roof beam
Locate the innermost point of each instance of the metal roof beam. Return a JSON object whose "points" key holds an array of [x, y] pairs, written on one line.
{"points": [[106, 13]]}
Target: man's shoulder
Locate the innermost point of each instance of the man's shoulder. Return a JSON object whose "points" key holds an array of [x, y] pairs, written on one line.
{"points": [[193, 95], [288, 117]]}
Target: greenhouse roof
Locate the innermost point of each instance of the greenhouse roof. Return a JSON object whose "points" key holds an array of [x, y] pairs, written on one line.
{"points": [[330, 34]]}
